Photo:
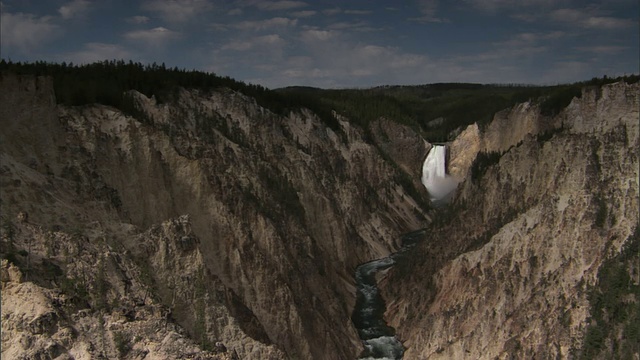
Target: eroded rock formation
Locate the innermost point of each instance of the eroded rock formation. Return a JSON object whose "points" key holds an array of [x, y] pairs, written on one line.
{"points": [[209, 227], [279, 211], [505, 271]]}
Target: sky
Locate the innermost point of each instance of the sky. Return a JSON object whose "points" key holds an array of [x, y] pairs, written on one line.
{"points": [[337, 44]]}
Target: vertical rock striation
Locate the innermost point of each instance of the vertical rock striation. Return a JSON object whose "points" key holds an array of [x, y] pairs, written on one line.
{"points": [[506, 268], [280, 209]]}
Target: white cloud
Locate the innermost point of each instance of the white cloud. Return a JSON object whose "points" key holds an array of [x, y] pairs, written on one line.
{"points": [[218, 27], [606, 22], [26, 31], [346, 25], [358, 12], [590, 19], [153, 37], [177, 10], [279, 5], [312, 36], [266, 24], [333, 60], [249, 54], [428, 19], [75, 8], [271, 42], [332, 11], [329, 54], [93, 52], [138, 19], [602, 49], [529, 38], [428, 9], [359, 26], [519, 48], [515, 59], [323, 57], [303, 13], [239, 46], [495, 5], [564, 71]]}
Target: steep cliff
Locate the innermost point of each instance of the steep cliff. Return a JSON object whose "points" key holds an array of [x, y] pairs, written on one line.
{"points": [[207, 226], [82, 297], [505, 271], [244, 225]]}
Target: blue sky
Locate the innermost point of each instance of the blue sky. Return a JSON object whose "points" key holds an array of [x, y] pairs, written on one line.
{"points": [[329, 43]]}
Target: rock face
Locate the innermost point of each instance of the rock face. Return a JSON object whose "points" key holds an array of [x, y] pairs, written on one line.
{"points": [[507, 129], [208, 227], [462, 151], [505, 270], [97, 306], [206, 224], [406, 148]]}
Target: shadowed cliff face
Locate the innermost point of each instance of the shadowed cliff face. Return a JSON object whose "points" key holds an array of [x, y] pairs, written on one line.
{"points": [[282, 209], [506, 268], [208, 226]]}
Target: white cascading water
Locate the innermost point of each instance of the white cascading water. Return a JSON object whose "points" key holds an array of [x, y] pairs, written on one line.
{"points": [[378, 338], [434, 177]]}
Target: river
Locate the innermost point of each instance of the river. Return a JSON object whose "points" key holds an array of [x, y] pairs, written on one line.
{"points": [[377, 336]]}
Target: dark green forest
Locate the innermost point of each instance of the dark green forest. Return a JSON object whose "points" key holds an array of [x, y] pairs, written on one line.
{"points": [[458, 104], [106, 82]]}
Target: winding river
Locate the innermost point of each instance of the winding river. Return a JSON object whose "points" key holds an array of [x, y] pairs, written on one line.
{"points": [[378, 338]]}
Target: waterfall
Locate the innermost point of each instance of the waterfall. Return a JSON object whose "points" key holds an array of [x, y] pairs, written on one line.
{"points": [[378, 338], [434, 176]]}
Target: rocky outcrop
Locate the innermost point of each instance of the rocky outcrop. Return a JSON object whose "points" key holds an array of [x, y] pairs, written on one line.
{"points": [[209, 227], [526, 236], [72, 298], [170, 256], [280, 209], [463, 150], [406, 147], [507, 129], [511, 126]]}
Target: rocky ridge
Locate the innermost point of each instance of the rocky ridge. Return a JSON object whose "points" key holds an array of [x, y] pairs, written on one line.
{"points": [[526, 233], [209, 227], [98, 305], [243, 225]]}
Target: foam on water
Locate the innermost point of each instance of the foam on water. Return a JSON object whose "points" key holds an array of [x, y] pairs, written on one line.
{"points": [[384, 347], [377, 337]]}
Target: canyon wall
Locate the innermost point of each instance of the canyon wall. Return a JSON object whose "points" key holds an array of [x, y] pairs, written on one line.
{"points": [[208, 227], [505, 270], [244, 226]]}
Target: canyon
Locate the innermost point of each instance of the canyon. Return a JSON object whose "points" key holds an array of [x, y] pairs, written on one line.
{"points": [[210, 227], [507, 271]]}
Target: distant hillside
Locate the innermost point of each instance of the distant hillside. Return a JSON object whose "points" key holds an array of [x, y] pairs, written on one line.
{"points": [[105, 83], [458, 104]]}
